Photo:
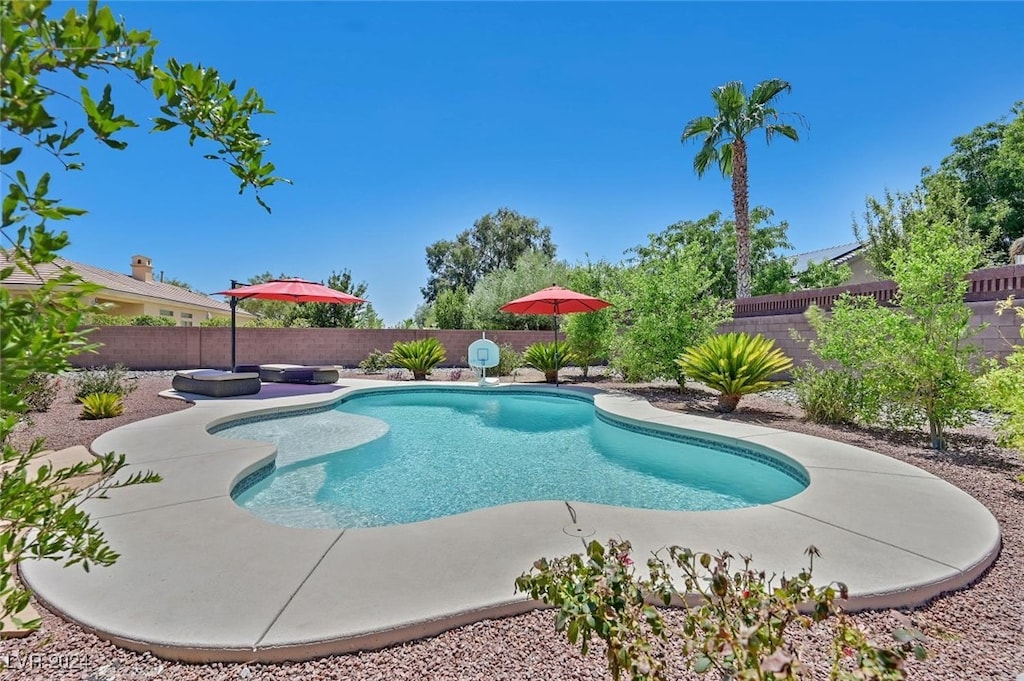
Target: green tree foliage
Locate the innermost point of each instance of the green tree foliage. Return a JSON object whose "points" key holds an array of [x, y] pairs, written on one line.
{"points": [[663, 306], [179, 283], [886, 225], [450, 309], [495, 242], [267, 310], [890, 224], [913, 359], [333, 315], [532, 271], [589, 335], [724, 144], [822, 275], [40, 515], [987, 165], [367, 318], [771, 270]]}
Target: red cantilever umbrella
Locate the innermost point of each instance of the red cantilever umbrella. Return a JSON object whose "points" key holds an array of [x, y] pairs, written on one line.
{"points": [[555, 300], [290, 290]]}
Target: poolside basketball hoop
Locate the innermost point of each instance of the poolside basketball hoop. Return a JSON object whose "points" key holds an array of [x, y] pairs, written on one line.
{"points": [[484, 354]]}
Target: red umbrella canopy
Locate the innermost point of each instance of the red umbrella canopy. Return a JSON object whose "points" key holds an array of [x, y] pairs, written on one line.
{"points": [[554, 300], [293, 291]]}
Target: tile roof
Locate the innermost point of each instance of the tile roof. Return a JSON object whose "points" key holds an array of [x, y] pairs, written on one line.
{"points": [[117, 281], [835, 254]]}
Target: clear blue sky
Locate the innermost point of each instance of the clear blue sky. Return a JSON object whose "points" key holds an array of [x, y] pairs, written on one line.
{"points": [[400, 124]]}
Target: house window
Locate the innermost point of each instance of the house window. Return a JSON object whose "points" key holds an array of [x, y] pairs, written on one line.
{"points": [[186, 315], [166, 313], [186, 322]]}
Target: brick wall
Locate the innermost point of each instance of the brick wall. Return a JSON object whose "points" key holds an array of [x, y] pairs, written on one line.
{"points": [[156, 347]]}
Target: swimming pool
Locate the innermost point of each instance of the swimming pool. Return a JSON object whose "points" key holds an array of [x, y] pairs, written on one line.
{"points": [[401, 456]]}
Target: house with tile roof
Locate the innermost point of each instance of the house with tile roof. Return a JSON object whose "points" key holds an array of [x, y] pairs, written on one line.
{"points": [[851, 254], [132, 294]]}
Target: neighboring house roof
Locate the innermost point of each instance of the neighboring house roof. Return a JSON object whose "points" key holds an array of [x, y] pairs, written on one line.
{"points": [[834, 254], [119, 282]]}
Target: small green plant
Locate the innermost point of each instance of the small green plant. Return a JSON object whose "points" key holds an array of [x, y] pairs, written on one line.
{"points": [[827, 396], [419, 356], [509, 362], [738, 625], [113, 379], [102, 406], [1003, 389], [734, 364], [41, 390], [549, 358], [376, 362]]}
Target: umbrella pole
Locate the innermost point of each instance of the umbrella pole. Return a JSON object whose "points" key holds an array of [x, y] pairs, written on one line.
{"points": [[555, 317], [234, 304]]}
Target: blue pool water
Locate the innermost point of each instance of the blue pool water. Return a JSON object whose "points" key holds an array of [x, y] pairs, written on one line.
{"points": [[423, 454]]}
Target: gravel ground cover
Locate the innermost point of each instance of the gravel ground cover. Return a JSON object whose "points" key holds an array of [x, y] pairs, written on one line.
{"points": [[977, 633]]}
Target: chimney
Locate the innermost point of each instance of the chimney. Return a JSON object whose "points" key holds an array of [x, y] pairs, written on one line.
{"points": [[142, 268]]}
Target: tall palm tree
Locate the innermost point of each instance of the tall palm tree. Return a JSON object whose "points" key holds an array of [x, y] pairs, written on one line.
{"points": [[725, 144]]}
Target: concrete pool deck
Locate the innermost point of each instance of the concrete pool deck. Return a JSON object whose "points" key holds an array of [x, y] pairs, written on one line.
{"points": [[201, 579]]}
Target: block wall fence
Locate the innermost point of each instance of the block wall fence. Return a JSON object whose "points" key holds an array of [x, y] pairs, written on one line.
{"points": [[180, 347], [155, 347]]}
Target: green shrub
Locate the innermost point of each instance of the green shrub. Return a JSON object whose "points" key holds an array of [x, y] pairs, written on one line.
{"points": [[376, 362], [827, 396], [734, 364], [419, 356], [151, 320], [739, 626], [41, 390], [509, 362], [103, 380], [101, 406], [102, 319], [1003, 390], [216, 321], [549, 358]]}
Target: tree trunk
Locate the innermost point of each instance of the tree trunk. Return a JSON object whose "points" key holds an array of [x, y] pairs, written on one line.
{"points": [[727, 403], [741, 207]]}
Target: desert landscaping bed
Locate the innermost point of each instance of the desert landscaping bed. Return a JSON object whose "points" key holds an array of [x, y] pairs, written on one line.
{"points": [[977, 633]]}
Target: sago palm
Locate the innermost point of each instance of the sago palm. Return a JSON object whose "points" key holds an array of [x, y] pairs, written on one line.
{"points": [[725, 145], [418, 356], [734, 364]]}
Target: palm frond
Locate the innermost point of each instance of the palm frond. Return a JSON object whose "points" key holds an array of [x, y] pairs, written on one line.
{"points": [[730, 99], [767, 90], [708, 155], [784, 130], [725, 160], [704, 125]]}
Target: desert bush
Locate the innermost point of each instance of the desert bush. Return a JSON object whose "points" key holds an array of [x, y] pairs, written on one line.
{"points": [[548, 358], [827, 396], [102, 406], [913, 359], [376, 362], [216, 322], [41, 390], [734, 364], [151, 320], [1003, 389], [739, 625], [113, 380], [509, 362], [419, 356]]}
